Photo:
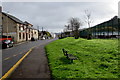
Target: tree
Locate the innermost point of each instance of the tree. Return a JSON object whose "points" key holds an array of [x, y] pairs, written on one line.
{"points": [[75, 24], [67, 26], [88, 20]]}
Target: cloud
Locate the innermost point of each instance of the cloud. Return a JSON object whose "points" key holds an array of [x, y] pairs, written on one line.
{"points": [[54, 15]]}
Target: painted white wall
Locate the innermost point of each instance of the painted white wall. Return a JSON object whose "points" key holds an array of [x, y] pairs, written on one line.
{"points": [[35, 34], [53, 35]]}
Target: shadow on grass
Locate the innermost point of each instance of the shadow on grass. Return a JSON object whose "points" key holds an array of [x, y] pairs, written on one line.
{"points": [[64, 60]]}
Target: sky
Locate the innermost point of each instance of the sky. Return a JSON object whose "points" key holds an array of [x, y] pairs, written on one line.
{"points": [[53, 16]]}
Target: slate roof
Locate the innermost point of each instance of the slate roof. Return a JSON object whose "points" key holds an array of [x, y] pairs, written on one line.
{"points": [[27, 23], [13, 18]]}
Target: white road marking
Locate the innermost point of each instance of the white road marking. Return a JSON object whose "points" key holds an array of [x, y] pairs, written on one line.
{"points": [[7, 58]]}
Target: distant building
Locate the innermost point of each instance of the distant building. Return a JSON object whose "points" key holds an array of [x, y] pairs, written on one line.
{"points": [[68, 33], [107, 29], [44, 35], [68, 30], [53, 35]]}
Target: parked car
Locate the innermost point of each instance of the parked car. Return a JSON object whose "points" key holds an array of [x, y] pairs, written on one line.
{"points": [[3, 37], [7, 43], [34, 39]]}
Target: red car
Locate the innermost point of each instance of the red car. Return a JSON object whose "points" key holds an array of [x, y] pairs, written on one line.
{"points": [[5, 38], [6, 41]]}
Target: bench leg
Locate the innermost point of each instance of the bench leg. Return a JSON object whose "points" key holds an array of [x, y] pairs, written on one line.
{"points": [[71, 60], [67, 57]]}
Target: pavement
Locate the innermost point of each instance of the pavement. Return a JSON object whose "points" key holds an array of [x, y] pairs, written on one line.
{"points": [[34, 66]]}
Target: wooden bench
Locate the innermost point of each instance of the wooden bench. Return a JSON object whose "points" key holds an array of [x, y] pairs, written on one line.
{"points": [[69, 56]]}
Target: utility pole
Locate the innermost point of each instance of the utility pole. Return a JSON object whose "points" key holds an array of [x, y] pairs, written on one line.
{"points": [[38, 28], [42, 28]]}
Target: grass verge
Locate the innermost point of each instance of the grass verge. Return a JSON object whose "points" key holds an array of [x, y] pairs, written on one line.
{"points": [[97, 58]]}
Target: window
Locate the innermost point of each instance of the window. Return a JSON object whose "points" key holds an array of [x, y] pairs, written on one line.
{"points": [[29, 35], [19, 35], [29, 30], [19, 28], [23, 36], [23, 28]]}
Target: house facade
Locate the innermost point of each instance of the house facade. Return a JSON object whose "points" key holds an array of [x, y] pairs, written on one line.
{"points": [[29, 31], [35, 34], [12, 26], [21, 33], [19, 30]]}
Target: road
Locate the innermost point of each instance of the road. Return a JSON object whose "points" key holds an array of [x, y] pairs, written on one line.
{"points": [[11, 55]]}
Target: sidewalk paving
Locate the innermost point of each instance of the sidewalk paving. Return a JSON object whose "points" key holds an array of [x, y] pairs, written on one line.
{"points": [[35, 65], [16, 44]]}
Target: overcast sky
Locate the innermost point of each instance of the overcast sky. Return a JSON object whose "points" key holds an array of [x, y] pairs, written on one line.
{"points": [[54, 15]]}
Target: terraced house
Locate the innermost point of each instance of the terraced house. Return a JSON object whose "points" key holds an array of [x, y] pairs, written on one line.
{"points": [[29, 30], [19, 30]]}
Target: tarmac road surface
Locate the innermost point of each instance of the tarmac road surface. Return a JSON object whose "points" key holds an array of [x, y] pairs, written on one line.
{"points": [[11, 55]]}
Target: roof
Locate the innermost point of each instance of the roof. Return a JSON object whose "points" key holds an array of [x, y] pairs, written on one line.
{"points": [[13, 18], [27, 23]]}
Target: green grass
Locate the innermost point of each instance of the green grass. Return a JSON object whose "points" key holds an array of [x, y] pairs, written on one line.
{"points": [[97, 58]]}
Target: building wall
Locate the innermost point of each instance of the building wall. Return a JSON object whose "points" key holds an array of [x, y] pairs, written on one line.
{"points": [[28, 34], [53, 35], [35, 33], [21, 32], [12, 27], [7, 22]]}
